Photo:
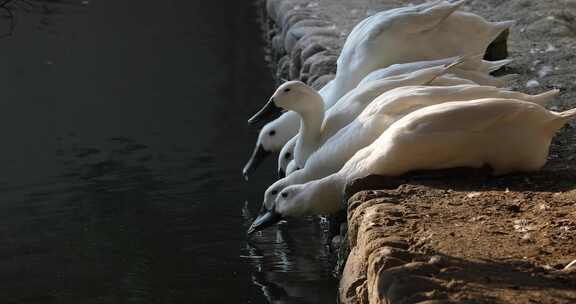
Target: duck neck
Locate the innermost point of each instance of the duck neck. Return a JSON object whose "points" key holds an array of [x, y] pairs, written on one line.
{"points": [[327, 196], [310, 129], [297, 177], [335, 89]]}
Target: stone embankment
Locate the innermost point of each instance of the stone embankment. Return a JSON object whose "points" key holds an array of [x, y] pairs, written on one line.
{"points": [[458, 236], [442, 238]]}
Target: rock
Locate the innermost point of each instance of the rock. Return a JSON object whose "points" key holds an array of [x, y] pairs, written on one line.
{"points": [[318, 64], [283, 68], [296, 53], [278, 44], [311, 49], [298, 29], [297, 33], [400, 282], [326, 64], [321, 81], [291, 17], [532, 84], [413, 289], [272, 9]]}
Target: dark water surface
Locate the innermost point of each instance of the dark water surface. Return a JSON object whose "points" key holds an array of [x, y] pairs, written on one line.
{"points": [[123, 131]]}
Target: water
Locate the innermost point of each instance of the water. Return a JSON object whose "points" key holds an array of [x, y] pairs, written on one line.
{"points": [[124, 133]]}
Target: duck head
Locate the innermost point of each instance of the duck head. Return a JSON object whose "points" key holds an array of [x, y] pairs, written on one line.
{"points": [[272, 192], [316, 197], [268, 216], [266, 114], [274, 211], [271, 139], [265, 219], [286, 155], [291, 95], [291, 167]]}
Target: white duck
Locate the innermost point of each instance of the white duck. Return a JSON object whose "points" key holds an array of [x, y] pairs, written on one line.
{"points": [[377, 117], [506, 134], [316, 126], [422, 32]]}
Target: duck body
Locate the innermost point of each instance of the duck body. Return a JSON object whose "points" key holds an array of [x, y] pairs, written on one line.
{"points": [[506, 134], [423, 32], [384, 111]]}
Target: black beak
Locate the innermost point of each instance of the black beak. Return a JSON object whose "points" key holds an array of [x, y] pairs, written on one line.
{"points": [[281, 173], [268, 113], [255, 160], [264, 220]]}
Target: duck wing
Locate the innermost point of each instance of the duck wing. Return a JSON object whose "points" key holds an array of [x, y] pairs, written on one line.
{"points": [[481, 115], [421, 19]]}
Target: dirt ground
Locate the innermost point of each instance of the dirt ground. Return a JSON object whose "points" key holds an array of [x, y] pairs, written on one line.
{"points": [[543, 46], [477, 239]]}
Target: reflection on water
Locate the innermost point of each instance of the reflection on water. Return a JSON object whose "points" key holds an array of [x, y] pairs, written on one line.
{"points": [[124, 133], [292, 264]]}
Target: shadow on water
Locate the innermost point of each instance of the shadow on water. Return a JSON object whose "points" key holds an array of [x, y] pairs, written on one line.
{"points": [[125, 125]]}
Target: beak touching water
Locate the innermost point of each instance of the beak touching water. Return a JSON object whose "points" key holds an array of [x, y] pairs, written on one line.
{"points": [[268, 113], [255, 160], [266, 219]]}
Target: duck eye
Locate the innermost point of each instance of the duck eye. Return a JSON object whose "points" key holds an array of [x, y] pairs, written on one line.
{"points": [[272, 133], [284, 194], [287, 90], [287, 155], [274, 192]]}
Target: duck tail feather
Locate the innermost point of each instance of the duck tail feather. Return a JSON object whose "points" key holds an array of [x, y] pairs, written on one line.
{"points": [[477, 63], [444, 9], [472, 62], [499, 27], [465, 60], [430, 16], [544, 98], [492, 66], [569, 114], [447, 68]]}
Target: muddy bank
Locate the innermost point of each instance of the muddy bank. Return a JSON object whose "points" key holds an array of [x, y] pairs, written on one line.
{"points": [[478, 239]]}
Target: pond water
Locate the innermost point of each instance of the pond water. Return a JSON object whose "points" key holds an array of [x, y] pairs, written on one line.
{"points": [[124, 131]]}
